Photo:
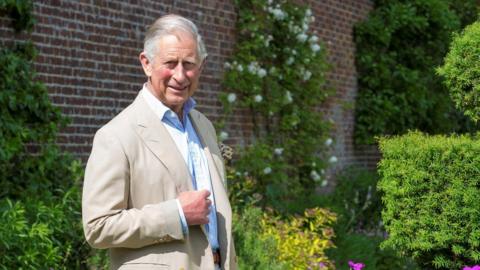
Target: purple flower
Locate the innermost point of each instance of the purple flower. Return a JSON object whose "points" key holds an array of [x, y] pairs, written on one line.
{"points": [[358, 266], [476, 267]]}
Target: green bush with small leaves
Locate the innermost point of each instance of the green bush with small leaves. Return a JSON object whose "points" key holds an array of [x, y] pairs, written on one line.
{"points": [[430, 187], [42, 233], [254, 252], [266, 239], [462, 71], [398, 48]]}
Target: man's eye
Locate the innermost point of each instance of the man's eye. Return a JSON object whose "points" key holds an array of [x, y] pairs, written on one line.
{"points": [[189, 65], [171, 64]]}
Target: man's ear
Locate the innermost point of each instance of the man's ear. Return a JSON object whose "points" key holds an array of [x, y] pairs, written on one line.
{"points": [[146, 64]]}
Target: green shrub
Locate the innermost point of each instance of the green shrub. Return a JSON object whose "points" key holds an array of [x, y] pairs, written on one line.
{"points": [[431, 186], [301, 241], [398, 47], [462, 71], [27, 116], [253, 252], [270, 241], [42, 233]]}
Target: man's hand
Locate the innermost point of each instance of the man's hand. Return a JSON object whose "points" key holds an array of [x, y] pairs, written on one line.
{"points": [[195, 205]]}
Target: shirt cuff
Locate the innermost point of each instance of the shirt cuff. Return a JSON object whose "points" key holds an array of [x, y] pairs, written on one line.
{"points": [[182, 218]]}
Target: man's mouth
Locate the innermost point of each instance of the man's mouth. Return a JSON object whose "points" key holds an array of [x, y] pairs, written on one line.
{"points": [[178, 88]]}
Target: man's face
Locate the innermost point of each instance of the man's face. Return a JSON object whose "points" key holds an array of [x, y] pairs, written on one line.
{"points": [[174, 71]]}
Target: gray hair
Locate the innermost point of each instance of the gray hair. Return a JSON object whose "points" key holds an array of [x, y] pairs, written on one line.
{"points": [[168, 25]]}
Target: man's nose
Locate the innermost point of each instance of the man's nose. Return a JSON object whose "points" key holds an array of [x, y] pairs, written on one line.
{"points": [[179, 73]]}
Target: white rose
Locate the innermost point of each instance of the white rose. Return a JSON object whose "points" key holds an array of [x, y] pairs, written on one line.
{"points": [[258, 98], [261, 72], [290, 60], [315, 176], [302, 37], [324, 183], [328, 142], [278, 151], [288, 97], [267, 170], [308, 12], [305, 26], [315, 47], [333, 159], [252, 68], [231, 97], [278, 14], [223, 136], [307, 75]]}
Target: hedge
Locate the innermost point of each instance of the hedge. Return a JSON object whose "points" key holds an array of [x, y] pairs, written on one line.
{"points": [[431, 207]]}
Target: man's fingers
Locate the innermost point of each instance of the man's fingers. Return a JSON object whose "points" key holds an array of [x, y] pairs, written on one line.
{"points": [[205, 193]]}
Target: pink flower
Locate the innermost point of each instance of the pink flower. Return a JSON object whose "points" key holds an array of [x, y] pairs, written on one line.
{"points": [[476, 267], [358, 266]]}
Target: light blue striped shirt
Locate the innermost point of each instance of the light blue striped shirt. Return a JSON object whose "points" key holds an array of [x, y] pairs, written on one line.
{"points": [[190, 146]]}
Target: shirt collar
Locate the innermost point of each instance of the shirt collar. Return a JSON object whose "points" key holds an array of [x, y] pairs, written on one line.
{"points": [[160, 109]]}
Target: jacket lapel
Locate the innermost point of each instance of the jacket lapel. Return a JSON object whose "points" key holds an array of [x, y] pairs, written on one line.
{"points": [[216, 173], [156, 138]]}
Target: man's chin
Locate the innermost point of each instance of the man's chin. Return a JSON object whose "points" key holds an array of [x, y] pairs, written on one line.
{"points": [[175, 102]]}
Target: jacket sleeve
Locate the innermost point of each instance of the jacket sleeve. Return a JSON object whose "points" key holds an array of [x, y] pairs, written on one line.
{"points": [[107, 220]]}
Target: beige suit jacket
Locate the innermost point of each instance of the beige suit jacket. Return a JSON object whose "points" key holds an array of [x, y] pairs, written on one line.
{"points": [[133, 176]]}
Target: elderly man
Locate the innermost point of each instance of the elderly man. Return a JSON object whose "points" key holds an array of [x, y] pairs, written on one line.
{"points": [[154, 184]]}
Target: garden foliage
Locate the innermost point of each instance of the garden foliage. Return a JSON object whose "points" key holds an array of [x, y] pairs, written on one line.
{"points": [[39, 196], [277, 75], [462, 71], [398, 48], [254, 252], [301, 241], [359, 229], [264, 241], [20, 12], [431, 186]]}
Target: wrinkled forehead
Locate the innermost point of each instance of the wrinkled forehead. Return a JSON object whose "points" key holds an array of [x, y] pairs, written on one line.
{"points": [[183, 39]]}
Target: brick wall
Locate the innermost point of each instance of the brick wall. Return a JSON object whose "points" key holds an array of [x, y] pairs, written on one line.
{"points": [[88, 58]]}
